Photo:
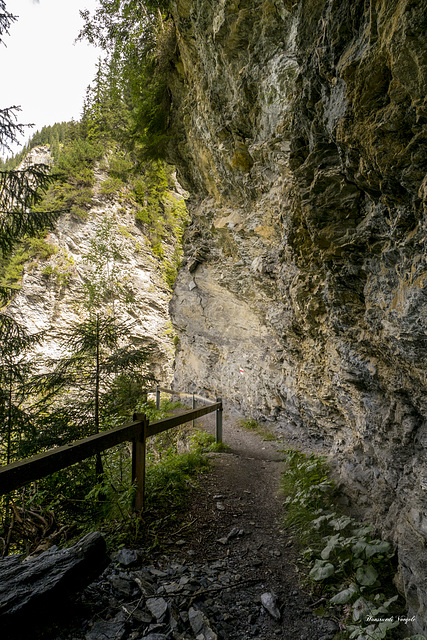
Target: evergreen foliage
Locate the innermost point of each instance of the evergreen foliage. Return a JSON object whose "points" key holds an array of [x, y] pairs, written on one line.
{"points": [[140, 45], [81, 389], [98, 380], [6, 19], [15, 370], [20, 190], [54, 136]]}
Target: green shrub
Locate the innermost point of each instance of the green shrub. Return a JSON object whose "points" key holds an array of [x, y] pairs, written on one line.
{"points": [[28, 251], [119, 166], [111, 186], [162, 215], [263, 432]]}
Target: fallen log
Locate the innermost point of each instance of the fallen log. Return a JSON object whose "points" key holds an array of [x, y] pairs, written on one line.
{"points": [[35, 591]]}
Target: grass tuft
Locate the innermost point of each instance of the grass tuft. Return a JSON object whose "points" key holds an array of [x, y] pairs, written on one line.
{"points": [[263, 432]]}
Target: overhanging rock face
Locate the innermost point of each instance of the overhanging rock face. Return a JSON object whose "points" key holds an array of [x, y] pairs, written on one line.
{"points": [[300, 130]]}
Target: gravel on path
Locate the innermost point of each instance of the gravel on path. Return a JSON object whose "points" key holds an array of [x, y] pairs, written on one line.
{"points": [[229, 572]]}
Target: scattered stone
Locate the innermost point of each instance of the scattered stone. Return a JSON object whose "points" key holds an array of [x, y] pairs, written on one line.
{"points": [[157, 572], [197, 620], [236, 532], [125, 585], [157, 606], [200, 625], [220, 506], [144, 585], [127, 557], [268, 601], [182, 601], [108, 629]]}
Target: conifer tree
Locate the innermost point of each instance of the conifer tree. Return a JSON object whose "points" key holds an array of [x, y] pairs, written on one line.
{"points": [[90, 384], [16, 420], [141, 41], [20, 190]]}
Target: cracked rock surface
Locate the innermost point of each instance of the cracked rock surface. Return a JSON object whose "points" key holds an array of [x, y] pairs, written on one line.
{"points": [[303, 144]]}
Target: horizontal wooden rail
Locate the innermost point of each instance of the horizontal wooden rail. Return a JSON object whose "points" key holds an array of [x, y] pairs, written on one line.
{"points": [[187, 416], [17, 474], [185, 394]]}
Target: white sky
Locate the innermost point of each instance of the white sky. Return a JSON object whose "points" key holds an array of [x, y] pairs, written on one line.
{"points": [[41, 69]]}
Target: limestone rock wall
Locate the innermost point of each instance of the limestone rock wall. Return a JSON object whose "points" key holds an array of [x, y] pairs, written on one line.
{"points": [[51, 293], [301, 132]]}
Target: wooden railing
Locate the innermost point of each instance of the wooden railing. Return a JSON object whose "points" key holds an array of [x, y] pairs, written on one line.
{"points": [[17, 474], [194, 397]]}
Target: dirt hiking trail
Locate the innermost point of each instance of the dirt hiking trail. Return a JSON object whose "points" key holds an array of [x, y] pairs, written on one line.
{"points": [[228, 571], [237, 515]]}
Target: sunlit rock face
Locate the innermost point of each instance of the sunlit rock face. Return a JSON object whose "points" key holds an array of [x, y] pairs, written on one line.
{"points": [[301, 130], [52, 296]]}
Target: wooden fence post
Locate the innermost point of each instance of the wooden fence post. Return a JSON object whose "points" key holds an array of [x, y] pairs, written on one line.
{"points": [[193, 406], [157, 397], [218, 430], [138, 461]]}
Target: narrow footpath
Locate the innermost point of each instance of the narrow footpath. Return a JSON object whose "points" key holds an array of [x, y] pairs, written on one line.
{"points": [[228, 573]]}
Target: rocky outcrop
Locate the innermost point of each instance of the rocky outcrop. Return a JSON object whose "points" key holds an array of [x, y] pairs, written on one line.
{"points": [[302, 131], [36, 589], [52, 289]]}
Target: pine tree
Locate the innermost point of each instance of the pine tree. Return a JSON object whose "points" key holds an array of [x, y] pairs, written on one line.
{"points": [[96, 379], [141, 43], [20, 190], [80, 391], [16, 418], [6, 19]]}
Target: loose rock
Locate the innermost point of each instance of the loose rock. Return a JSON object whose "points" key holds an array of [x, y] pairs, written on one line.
{"points": [[157, 606], [269, 602]]}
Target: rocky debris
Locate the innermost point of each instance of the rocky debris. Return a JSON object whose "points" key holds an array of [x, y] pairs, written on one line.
{"points": [[157, 607], [200, 625], [172, 600], [233, 534], [33, 589], [127, 557]]}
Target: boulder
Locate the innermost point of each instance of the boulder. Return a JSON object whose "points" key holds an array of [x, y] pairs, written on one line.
{"points": [[35, 591]]}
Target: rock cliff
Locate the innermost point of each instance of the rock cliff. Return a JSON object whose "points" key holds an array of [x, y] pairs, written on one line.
{"points": [[51, 289], [301, 130]]}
